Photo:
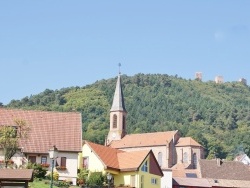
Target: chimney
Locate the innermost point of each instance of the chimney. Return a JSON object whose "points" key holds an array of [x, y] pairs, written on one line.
{"points": [[218, 162]]}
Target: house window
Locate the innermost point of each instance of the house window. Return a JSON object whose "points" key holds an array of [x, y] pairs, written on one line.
{"points": [[43, 160], [32, 159], [153, 181], [132, 181], [185, 157], [160, 158], [144, 167], [63, 161], [86, 162], [142, 181], [195, 160], [114, 121]]}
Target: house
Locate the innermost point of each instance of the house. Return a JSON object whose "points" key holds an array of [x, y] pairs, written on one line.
{"points": [[134, 168], [62, 129], [213, 173], [169, 147], [243, 158], [222, 169]]}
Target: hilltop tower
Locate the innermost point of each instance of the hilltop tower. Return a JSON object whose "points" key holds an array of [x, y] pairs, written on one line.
{"points": [[118, 113], [219, 80], [198, 76]]}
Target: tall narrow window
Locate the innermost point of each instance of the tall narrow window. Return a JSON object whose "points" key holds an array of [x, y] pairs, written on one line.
{"points": [[123, 123], [160, 159], [142, 181], [114, 121], [195, 160], [185, 157], [63, 161], [132, 181], [86, 162]]}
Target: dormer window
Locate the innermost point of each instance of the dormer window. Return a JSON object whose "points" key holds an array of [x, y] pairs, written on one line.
{"points": [[144, 167]]}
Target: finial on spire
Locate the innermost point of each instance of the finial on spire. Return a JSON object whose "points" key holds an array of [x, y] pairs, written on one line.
{"points": [[119, 64]]}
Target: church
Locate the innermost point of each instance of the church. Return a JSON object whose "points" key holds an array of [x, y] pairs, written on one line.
{"points": [[170, 149]]}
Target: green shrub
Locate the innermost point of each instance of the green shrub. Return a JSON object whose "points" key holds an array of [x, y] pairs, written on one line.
{"points": [[95, 178], [55, 176], [39, 171]]}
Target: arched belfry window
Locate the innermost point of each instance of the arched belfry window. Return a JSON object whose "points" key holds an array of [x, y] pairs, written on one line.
{"points": [[160, 159], [185, 157], [114, 121], [123, 123], [195, 160]]}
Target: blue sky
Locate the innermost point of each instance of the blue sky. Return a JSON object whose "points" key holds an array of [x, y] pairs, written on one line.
{"points": [[59, 43]]}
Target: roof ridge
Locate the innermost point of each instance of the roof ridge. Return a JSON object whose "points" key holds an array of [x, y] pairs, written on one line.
{"points": [[42, 111]]}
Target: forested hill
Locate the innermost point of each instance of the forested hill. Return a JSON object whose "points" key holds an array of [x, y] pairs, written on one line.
{"points": [[216, 115]]}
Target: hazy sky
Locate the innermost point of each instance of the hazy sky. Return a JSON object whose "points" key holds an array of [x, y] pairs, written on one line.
{"points": [[57, 43]]}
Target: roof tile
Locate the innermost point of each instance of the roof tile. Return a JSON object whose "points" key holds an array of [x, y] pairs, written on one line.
{"points": [[187, 141], [63, 129], [144, 139]]}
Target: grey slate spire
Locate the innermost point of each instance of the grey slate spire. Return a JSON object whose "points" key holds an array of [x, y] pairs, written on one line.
{"points": [[118, 100]]}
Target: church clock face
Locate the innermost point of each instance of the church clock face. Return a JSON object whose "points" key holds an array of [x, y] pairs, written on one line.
{"points": [[113, 135]]}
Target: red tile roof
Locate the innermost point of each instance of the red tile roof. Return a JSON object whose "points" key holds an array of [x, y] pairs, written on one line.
{"points": [[182, 173], [144, 140], [63, 129], [187, 141], [131, 160], [191, 182], [106, 154]]}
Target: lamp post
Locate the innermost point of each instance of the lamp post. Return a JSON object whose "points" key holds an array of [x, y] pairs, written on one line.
{"points": [[52, 155], [109, 177]]}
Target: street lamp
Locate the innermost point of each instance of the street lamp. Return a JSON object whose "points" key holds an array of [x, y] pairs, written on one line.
{"points": [[52, 155], [109, 177]]}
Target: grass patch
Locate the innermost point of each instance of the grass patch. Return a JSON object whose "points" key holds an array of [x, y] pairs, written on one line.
{"points": [[43, 184], [40, 184]]}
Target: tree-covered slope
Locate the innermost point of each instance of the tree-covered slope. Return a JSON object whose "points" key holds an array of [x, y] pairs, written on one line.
{"points": [[216, 115]]}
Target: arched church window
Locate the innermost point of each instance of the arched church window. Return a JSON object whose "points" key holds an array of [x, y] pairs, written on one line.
{"points": [[160, 159], [195, 160], [114, 121], [123, 123], [185, 157]]}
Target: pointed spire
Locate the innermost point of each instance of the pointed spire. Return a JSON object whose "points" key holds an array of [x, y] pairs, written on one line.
{"points": [[118, 100]]}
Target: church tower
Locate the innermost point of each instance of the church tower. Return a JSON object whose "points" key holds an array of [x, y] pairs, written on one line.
{"points": [[118, 115]]}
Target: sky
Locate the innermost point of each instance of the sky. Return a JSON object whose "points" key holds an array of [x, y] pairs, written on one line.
{"points": [[63, 43]]}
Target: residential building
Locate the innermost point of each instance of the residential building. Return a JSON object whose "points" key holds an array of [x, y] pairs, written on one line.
{"points": [[62, 129], [213, 173], [243, 158], [135, 169], [222, 169]]}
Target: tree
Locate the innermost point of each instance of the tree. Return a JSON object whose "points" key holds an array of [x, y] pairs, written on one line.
{"points": [[10, 135]]}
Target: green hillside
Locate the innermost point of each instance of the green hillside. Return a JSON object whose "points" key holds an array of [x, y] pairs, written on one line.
{"points": [[216, 115]]}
